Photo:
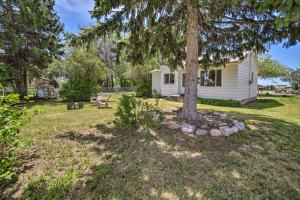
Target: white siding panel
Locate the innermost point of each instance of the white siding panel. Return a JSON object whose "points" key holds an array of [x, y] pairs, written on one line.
{"points": [[168, 89], [246, 67], [235, 82], [156, 81], [228, 89]]}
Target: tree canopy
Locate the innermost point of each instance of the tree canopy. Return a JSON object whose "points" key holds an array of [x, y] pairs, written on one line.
{"points": [[82, 70], [208, 32], [293, 76], [271, 68], [226, 28], [29, 40]]}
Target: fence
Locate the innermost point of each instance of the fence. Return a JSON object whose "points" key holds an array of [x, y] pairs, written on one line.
{"points": [[117, 89]]}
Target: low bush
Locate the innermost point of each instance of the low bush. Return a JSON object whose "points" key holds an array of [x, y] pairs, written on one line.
{"points": [[132, 112], [219, 102], [81, 91], [11, 119], [144, 89]]}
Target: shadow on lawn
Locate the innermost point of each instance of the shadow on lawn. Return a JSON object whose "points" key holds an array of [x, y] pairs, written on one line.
{"points": [[260, 104], [162, 164]]}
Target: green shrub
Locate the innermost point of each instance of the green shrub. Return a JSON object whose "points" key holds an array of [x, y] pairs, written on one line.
{"points": [[11, 99], [157, 97], [144, 89], [219, 102], [11, 119], [81, 91], [132, 112]]}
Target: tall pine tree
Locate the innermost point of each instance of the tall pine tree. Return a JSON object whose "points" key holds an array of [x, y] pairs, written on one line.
{"points": [[29, 40], [201, 33]]}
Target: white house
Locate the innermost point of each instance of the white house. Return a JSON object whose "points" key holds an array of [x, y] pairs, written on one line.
{"points": [[236, 80]]}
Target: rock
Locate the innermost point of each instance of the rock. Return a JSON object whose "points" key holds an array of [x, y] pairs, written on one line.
{"points": [[171, 124], [216, 113], [222, 128], [222, 124], [156, 118], [201, 132], [227, 131], [215, 132], [204, 126], [187, 128], [235, 129], [240, 125], [164, 123], [223, 115]]}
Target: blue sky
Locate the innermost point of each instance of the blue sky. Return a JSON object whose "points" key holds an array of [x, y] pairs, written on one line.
{"points": [[74, 14]]}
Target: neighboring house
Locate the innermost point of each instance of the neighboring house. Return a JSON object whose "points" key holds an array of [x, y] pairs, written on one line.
{"points": [[237, 81]]}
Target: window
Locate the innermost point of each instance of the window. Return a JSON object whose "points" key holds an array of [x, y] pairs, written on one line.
{"points": [[219, 78], [251, 78], [169, 78], [211, 78], [183, 80]]}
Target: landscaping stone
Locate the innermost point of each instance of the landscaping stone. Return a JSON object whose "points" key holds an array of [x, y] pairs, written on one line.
{"points": [[223, 115], [156, 118], [215, 132], [240, 125], [201, 132], [187, 128], [216, 113], [222, 128], [213, 123], [227, 131], [171, 124], [204, 126], [235, 129]]}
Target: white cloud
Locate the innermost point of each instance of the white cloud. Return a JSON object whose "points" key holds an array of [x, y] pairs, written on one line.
{"points": [[76, 6]]}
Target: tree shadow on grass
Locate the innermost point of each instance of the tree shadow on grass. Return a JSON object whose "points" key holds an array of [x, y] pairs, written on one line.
{"points": [[260, 104], [162, 164]]}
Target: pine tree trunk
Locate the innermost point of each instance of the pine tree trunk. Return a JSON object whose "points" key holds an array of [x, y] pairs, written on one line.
{"points": [[189, 111], [21, 84]]}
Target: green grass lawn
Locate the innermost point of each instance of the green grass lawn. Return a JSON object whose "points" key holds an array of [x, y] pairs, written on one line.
{"points": [[81, 155]]}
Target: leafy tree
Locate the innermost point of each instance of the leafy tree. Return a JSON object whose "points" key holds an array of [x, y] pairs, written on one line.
{"points": [[207, 32], [293, 76], [29, 39], [82, 70], [271, 68]]}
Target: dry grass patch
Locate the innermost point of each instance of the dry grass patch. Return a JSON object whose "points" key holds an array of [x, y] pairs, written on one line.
{"points": [[82, 155]]}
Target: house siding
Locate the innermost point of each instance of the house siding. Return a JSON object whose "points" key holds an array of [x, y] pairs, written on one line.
{"points": [[245, 69], [156, 81], [168, 89], [235, 82], [228, 88]]}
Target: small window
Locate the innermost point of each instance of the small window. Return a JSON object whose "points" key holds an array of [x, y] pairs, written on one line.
{"points": [[183, 80], [202, 78], [251, 78], [169, 78], [211, 78], [219, 78], [166, 78]]}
